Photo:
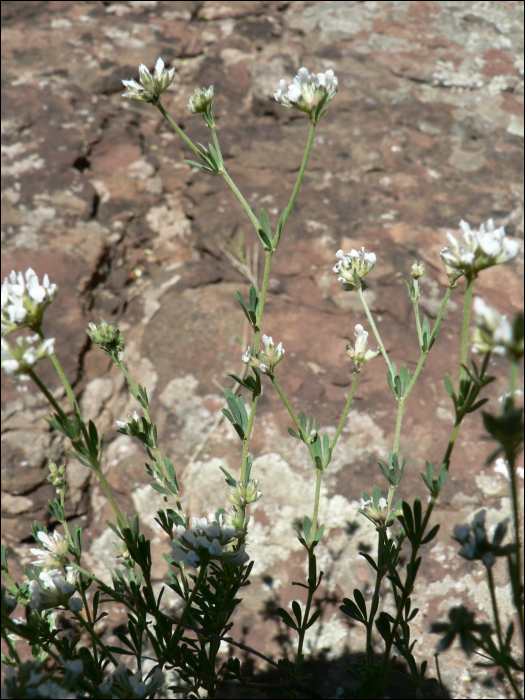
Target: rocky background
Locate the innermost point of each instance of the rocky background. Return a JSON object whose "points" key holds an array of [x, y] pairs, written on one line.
{"points": [[427, 129]]}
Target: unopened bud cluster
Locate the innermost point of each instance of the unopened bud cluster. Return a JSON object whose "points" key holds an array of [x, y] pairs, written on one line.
{"points": [[200, 101], [133, 426], [109, 338], [241, 495], [57, 476]]}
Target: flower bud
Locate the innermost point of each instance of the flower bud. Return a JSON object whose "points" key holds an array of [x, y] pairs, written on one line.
{"points": [[201, 100], [418, 270], [109, 338]]}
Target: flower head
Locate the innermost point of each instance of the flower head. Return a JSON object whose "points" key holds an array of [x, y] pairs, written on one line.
{"points": [[492, 332], [197, 545], [24, 300], [53, 589], [478, 249], [359, 353], [269, 358], [133, 426], [417, 271], [109, 338], [201, 100], [242, 495], [308, 93], [352, 265], [54, 553], [19, 359], [152, 85]]}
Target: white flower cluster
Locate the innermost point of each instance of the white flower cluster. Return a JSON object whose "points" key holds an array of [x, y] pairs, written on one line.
{"points": [[54, 554], [132, 426], [200, 100], [25, 300], [352, 263], [269, 357], [152, 85], [493, 332], [53, 589], [203, 542], [132, 683], [359, 353], [19, 359], [308, 93], [477, 249]]}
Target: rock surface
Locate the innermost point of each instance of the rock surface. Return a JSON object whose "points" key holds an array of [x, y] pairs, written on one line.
{"points": [[426, 130]]}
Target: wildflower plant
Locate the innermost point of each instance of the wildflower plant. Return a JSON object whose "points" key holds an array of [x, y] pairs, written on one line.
{"points": [[208, 563]]}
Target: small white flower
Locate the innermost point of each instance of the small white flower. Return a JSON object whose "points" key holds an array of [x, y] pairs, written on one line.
{"points": [[478, 249], [55, 552], [352, 263], [200, 101], [19, 359], [247, 356], [492, 332], [24, 300], [54, 589], [132, 426], [271, 355], [308, 93], [152, 85], [204, 542], [359, 353]]}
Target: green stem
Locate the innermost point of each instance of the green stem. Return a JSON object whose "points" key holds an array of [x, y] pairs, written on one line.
{"points": [[407, 590], [95, 638], [176, 128], [213, 130], [124, 601], [316, 500], [403, 399], [43, 388], [198, 582], [464, 331], [345, 412], [61, 374], [312, 581], [264, 289], [375, 602], [418, 322], [516, 557], [287, 404], [374, 328], [231, 183], [246, 441], [299, 176], [441, 311], [158, 455]]}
